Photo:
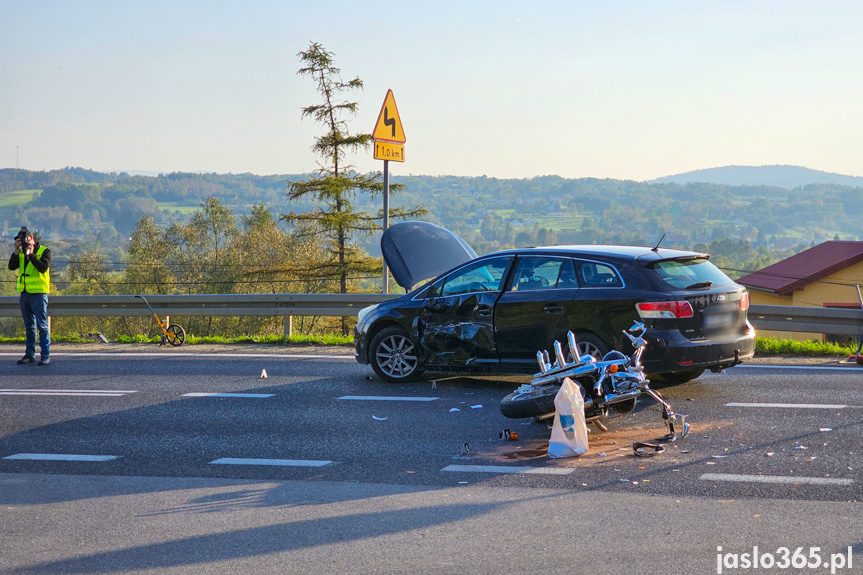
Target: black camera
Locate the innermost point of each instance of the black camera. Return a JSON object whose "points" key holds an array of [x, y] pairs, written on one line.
{"points": [[22, 235]]}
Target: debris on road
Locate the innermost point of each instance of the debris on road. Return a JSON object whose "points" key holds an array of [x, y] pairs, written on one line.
{"points": [[376, 418], [263, 374]]}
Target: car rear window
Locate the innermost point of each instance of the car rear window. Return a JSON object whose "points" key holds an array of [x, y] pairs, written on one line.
{"points": [[690, 273]]}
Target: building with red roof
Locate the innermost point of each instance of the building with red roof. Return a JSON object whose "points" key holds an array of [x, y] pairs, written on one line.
{"points": [[826, 276]]}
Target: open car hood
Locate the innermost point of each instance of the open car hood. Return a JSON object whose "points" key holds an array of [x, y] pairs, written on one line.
{"points": [[416, 251]]}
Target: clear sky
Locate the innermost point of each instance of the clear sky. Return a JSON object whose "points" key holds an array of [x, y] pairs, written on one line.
{"points": [[609, 89]]}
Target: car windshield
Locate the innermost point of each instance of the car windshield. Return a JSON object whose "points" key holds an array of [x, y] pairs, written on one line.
{"points": [[690, 273]]}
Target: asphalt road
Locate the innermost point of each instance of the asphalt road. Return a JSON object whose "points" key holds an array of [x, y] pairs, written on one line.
{"points": [[121, 462]]}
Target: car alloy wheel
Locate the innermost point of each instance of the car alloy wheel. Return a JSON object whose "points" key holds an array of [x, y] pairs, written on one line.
{"points": [[395, 355]]}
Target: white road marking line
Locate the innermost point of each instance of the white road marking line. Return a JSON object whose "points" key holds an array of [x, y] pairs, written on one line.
{"points": [[68, 392], [187, 354], [849, 368], [61, 457], [249, 395], [386, 398], [282, 462], [508, 469], [775, 479], [790, 405]]}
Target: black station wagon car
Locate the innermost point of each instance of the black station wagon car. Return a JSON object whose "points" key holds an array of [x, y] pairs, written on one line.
{"points": [[493, 313]]}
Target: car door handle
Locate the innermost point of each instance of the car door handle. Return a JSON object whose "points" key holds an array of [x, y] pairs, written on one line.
{"points": [[483, 310], [553, 308]]}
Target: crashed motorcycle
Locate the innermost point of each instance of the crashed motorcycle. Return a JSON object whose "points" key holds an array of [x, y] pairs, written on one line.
{"points": [[615, 382]]}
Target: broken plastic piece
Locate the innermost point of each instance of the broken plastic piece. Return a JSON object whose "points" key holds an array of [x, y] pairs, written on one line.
{"points": [[644, 449], [476, 406], [454, 409], [263, 374], [376, 418]]}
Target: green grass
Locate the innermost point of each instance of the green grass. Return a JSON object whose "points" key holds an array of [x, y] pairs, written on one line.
{"points": [[268, 339], [193, 340], [773, 346], [184, 209], [17, 198]]}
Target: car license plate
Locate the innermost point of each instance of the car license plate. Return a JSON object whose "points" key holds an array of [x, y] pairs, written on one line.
{"points": [[717, 321]]}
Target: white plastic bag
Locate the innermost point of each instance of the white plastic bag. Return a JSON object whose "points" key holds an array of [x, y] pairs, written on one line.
{"points": [[569, 432]]}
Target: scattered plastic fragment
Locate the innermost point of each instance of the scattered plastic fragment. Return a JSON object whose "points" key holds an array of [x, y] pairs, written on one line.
{"points": [[710, 462], [602, 454], [769, 454], [800, 447], [635, 482], [685, 451], [376, 418], [410, 472], [368, 377], [719, 456], [462, 482], [434, 385], [643, 449], [263, 374], [508, 435], [825, 429], [454, 409], [476, 406]]}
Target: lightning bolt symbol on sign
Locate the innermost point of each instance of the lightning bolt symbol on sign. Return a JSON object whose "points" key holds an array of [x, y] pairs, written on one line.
{"points": [[391, 122]]}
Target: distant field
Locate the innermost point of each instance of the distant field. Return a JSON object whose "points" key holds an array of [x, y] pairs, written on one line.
{"points": [[14, 199], [184, 209]]}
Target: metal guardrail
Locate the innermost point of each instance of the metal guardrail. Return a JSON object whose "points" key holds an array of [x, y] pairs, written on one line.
{"points": [[769, 317], [807, 319], [280, 304]]}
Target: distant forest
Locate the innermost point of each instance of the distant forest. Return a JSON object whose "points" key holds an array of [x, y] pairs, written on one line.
{"points": [[743, 227]]}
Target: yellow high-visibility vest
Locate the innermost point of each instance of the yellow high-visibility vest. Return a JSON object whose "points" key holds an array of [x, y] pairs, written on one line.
{"points": [[30, 278]]}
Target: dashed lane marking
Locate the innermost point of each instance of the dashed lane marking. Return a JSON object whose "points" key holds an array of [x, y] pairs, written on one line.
{"points": [[776, 479], [61, 457], [68, 392], [280, 462], [385, 398], [246, 395], [508, 469]]}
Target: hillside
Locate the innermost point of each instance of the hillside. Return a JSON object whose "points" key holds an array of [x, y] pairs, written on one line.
{"points": [[788, 177], [749, 226]]}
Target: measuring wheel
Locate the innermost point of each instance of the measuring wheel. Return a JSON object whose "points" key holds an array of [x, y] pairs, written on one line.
{"points": [[175, 334]]}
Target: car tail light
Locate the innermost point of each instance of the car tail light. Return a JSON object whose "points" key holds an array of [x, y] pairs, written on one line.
{"points": [[664, 309], [744, 301]]}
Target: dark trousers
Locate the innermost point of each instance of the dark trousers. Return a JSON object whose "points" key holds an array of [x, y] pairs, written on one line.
{"points": [[34, 310]]}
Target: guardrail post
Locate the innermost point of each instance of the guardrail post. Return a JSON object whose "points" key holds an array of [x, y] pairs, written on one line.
{"points": [[289, 326]]}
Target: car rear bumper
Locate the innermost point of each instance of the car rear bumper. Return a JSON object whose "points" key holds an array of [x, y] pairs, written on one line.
{"points": [[671, 352]]}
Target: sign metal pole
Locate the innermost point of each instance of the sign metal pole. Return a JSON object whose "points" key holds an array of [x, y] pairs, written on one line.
{"points": [[386, 218]]}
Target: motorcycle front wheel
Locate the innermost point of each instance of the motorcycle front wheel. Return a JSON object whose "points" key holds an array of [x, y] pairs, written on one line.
{"points": [[537, 401]]}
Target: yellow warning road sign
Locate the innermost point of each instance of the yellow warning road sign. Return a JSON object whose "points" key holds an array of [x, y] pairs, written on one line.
{"points": [[389, 126], [387, 151]]}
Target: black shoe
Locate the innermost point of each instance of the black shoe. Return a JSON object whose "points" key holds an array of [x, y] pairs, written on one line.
{"points": [[26, 359], [45, 361]]}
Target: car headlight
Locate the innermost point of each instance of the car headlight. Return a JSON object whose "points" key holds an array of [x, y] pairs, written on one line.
{"points": [[364, 312]]}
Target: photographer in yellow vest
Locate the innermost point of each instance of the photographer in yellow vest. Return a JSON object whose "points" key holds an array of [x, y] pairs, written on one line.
{"points": [[32, 261]]}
